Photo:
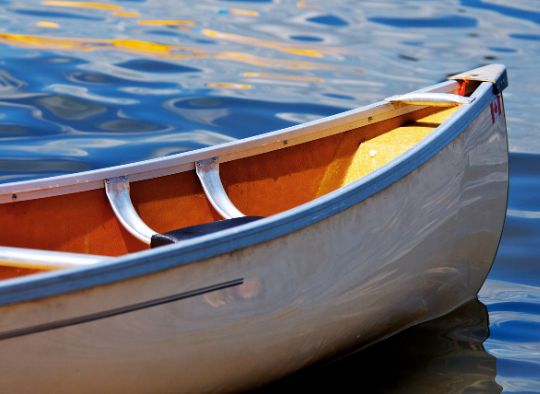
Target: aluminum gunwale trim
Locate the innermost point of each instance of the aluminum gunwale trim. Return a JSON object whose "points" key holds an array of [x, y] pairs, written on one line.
{"points": [[147, 262], [153, 168]]}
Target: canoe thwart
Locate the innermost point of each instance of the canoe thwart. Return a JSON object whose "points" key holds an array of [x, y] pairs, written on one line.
{"points": [[208, 173], [430, 99], [117, 190], [493, 73], [45, 259], [186, 233]]}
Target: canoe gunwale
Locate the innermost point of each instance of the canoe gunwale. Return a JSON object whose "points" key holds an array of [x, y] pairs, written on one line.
{"points": [[182, 162], [151, 261]]}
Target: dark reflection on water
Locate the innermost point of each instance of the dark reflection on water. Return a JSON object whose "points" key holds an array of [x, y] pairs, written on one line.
{"points": [[524, 14], [153, 66], [451, 21], [518, 258], [49, 14], [442, 356], [330, 20]]}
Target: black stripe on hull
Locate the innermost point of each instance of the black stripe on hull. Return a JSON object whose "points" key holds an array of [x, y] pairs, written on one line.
{"points": [[117, 311]]}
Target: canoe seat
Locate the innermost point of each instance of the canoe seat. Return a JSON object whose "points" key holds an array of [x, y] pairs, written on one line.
{"points": [[186, 233]]}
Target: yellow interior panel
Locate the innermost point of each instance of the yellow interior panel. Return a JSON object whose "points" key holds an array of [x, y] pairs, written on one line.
{"points": [[378, 151]]}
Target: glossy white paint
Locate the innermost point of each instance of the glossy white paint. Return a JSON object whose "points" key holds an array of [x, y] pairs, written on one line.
{"points": [[412, 252]]}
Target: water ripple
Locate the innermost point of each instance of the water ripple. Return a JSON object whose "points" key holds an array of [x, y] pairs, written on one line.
{"points": [[531, 14], [85, 85], [447, 21], [152, 66], [56, 14]]}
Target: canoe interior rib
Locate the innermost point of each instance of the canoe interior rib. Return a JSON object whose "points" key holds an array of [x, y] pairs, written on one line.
{"points": [[259, 185]]}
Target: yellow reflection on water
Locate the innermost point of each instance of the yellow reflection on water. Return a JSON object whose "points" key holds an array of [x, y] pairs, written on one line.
{"points": [[126, 14], [238, 11], [229, 85], [31, 41], [140, 45], [261, 43], [259, 61], [49, 25], [84, 4], [90, 44]]}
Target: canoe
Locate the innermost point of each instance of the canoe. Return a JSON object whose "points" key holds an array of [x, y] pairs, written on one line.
{"points": [[231, 266]]}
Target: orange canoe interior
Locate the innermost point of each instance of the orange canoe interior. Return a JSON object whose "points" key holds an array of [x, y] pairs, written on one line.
{"points": [[259, 185]]}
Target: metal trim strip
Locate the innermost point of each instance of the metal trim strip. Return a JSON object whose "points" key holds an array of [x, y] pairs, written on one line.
{"points": [[153, 168]]}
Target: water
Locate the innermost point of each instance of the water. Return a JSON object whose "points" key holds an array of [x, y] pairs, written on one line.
{"points": [[89, 85]]}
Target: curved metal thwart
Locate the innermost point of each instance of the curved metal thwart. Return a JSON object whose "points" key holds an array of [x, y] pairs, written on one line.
{"points": [[208, 173], [117, 190], [430, 99]]}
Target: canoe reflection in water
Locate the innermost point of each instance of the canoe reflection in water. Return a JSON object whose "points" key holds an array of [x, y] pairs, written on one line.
{"points": [[445, 355]]}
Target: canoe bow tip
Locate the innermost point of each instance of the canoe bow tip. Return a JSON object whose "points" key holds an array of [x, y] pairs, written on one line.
{"points": [[494, 73]]}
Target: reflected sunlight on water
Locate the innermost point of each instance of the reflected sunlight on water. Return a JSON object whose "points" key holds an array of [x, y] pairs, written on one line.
{"points": [[85, 85]]}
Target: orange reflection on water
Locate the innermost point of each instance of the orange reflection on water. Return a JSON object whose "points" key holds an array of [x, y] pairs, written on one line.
{"points": [[49, 25], [282, 64], [32, 41], [261, 43], [238, 11], [127, 14], [91, 44], [229, 85], [282, 77], [166, 22]]}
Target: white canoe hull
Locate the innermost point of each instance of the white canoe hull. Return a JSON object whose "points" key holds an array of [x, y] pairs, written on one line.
{"points": [[415, 250]]}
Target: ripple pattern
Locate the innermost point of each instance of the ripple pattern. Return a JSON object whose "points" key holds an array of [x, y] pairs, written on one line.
{"points": [[85, 85]]}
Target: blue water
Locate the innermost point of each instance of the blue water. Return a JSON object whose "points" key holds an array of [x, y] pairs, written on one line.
{"points": [[90, 85]]}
